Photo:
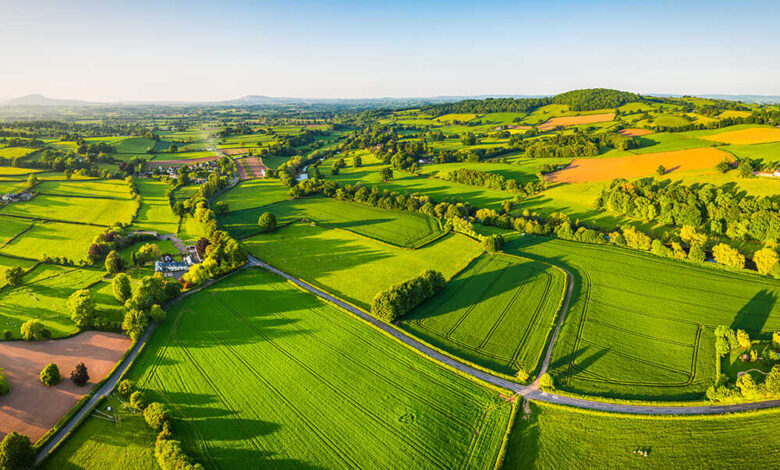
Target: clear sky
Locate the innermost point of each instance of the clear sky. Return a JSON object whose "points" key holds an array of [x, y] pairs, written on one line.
{"points": [[197, 50]]}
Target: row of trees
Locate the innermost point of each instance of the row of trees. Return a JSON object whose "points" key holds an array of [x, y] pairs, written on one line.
{"points": [[476, 177], [399, 299], [716, 211]]}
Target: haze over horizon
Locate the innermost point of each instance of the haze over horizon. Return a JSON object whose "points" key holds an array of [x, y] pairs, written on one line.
{"points": [[207, 51]]}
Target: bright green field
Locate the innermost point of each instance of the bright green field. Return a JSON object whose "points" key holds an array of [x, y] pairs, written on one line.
{"points": [[54, 239], [113, 189], [660, 142], [90, 210], [353, 267], [640, 326], [155, 213], [16, 152], [6, 263], [261, 374], [497, 313], [254, 193], [400, 228], [11, 227], [100, 444], [44, 296], [16, 171], [439, 190], [562, 437]]}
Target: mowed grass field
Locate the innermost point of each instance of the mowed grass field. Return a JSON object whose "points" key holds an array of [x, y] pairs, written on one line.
{"points": [[642, 327], [354, 267], [582, 170], [260, 374], [101, 444], [254, 193], [155, 213], [496, 313], [562, 437], [396, 227], [54, 239]]}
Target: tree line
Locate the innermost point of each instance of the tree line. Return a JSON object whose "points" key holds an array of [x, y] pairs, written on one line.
{"points": [[474, 177], [396, 301]]}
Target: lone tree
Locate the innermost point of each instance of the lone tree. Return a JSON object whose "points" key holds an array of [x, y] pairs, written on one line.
{"points": [[493, 243], [357, 161], [267, 222], [33, 330], [79, 376], [137, 400], [82, 308], [122, 289], [16, 452], [113, 262], [13, 276], [386, 173], [125, 387], [661, 170], [50, 375], [32, 180]]}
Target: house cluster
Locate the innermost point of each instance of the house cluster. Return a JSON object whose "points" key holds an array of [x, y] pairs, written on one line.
{"points": [[17, 197], [170, 268], [769, 173], [171, 171]]}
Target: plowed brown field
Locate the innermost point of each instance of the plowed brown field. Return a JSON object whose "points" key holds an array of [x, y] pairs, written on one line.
{"points": [[582, 170], [575, 120], [32, 408]]}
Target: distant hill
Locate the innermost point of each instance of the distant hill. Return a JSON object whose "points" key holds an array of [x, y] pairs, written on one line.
{"points": [[40, 100]]}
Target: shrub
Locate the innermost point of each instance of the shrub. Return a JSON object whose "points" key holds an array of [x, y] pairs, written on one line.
{"points": [[122, 288], [157, 313], [398, 300], [266, 223], [13, 276], [546, 382], [156, 416], [134, 323], [125, 387], [7, 334], [5, 385], [79, 375], [138, 400], [33, 330], [16, 452], [697, 254], [50, 375]]}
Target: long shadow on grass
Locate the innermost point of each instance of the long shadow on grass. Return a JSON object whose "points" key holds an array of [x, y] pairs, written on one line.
{"points": [[753, 315]]}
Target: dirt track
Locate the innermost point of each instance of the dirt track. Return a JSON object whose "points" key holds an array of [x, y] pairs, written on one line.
{"points": [[583, 170], [32, 408]]}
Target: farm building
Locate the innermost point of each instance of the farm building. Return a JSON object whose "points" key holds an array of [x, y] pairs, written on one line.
{"points": [[16, 197], [173, 268]]}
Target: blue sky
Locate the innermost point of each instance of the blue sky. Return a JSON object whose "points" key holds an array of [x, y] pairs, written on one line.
{"points": [[197, 50]]}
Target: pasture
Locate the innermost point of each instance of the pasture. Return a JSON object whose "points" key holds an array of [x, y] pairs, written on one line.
{"points": [[339, 393], [354, 267], [254, 193], [396, 227], [32, 408], [462, 117], [104, 189], [497, 313], [44, 297], [752, 135], [642, 327], [582, 170], [84, 209], [126, 443], [562, 437]]}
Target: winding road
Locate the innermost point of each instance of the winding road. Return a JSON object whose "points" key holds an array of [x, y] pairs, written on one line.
{"points": [[532, 391]]}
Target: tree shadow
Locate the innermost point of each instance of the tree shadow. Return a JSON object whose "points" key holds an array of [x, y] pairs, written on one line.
{"points": [[752, 317]]}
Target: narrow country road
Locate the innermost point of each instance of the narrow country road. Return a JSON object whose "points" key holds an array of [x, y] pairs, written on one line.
{"points": [[532, 391]]}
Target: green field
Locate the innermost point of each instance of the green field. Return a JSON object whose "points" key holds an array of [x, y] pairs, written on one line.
{"points": [[497, 313], [155, 213], [254, 193], [54, 239], [353, 267], [261, 374], [561, 437], [91, 210], [109, 189], [396, 227], [101, 444], [642, 327]]}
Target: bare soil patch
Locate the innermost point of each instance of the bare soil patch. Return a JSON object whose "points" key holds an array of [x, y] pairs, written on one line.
{"points": [[635, 132], [255, 166], [575, 120], [32, 408], [234, 151], [582, 170]]}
